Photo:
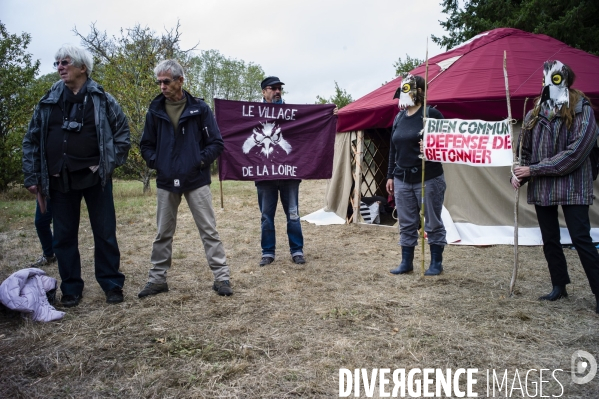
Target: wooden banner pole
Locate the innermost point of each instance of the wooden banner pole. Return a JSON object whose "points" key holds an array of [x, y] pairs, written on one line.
{"points": [[423, 162], [222, 205]]}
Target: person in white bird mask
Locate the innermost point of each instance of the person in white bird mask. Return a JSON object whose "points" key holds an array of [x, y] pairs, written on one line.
{"points": [[558, 136]]}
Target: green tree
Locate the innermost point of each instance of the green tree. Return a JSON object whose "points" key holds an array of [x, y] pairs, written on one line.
{"points": [[573, 22], [402, 66], [125, 68], [18, 96], [340, 99], [46, 81], [212, 75]]}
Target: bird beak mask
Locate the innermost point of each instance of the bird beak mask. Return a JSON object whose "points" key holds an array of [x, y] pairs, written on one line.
{"points": [[555, 90], [406, 92]]}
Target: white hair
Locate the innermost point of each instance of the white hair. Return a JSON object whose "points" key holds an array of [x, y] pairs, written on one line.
{"points": [[78, 56], [171, 66]]}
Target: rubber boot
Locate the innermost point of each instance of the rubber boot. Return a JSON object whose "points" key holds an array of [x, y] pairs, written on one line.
{"points": [[558, 292], [436, 266], [407, 261]]}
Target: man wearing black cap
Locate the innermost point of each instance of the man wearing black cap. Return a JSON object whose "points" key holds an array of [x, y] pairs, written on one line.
{"points": [[268, 197]]}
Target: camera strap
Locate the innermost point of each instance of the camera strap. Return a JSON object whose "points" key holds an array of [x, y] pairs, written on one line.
{"points": [[77, 110], [73, 105]]}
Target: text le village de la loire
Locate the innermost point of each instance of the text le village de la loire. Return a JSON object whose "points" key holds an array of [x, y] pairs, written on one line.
{"points": [[268, 112]]}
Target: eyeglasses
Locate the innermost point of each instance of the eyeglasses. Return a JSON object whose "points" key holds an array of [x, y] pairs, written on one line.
{"points": [[277, 88], [165, 81], [64, 63]]}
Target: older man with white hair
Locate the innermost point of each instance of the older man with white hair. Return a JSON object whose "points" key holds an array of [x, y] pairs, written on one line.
{"points": [[76, 138], [180, 141]]}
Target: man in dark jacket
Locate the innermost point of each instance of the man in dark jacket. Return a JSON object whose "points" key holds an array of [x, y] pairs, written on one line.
{"points": [[269, 192], [268, 197], [77, 137], [181, 140]]}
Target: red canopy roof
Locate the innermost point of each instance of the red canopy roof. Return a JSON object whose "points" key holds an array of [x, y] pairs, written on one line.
{"points": [[467, 82]]}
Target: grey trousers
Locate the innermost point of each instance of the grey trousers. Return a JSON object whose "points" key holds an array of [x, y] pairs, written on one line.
{"points": [[200, 204], [407, 201]]}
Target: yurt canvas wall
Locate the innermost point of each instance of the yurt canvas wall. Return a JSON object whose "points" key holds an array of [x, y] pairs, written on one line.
{"points": [[467, 83]]}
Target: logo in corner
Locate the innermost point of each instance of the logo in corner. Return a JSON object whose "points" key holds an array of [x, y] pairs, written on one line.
{"points": [[583, 363], [267, 137]]}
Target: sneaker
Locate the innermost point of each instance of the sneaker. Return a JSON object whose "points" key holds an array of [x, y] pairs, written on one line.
{"points": [[266, 260], [44, 261], [299, 259], [114, 295], [69, 301], [153, 289], [222, 288]]}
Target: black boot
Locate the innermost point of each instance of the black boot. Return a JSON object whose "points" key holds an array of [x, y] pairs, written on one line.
{"points": [[559, 292], [407, 261], [436, 266]]}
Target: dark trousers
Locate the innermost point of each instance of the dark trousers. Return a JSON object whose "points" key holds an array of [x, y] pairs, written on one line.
{"points": [[42, 226], [579, 227], [66, 209]]}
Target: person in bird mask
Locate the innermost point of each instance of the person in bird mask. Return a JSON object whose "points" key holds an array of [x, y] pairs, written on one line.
{"points": [[558, 135], [404, 178]]}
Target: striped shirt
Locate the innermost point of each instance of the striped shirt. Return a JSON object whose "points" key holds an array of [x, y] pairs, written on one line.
{"points": [[559, 162]]}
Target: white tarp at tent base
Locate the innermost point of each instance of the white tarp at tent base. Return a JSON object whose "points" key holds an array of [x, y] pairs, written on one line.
{"points": [[323, 218], [472, 234], [467, 233]]}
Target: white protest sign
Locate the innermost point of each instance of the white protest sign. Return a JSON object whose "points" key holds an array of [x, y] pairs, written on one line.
{"points": [[470, 142]]}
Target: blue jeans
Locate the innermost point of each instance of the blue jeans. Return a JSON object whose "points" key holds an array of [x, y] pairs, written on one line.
{"points": [[42, 226], [268, 197], [66, 213]]}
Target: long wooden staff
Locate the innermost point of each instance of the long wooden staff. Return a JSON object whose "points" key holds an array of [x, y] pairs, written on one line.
{"points": [[516, 205], [423, 164], [515, 162]]}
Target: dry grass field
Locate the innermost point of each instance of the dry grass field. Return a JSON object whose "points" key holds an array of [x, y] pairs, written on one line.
{"points": [[288, 329]]}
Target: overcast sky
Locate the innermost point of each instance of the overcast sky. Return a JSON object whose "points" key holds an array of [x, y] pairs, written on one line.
{"points": [[308, 44]]}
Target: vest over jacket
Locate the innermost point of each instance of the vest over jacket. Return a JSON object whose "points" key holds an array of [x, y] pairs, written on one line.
{"points": [[111, 126]]}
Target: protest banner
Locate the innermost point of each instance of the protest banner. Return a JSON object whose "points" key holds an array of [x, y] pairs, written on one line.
{"points": [[265, 141], [470, 142]]}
